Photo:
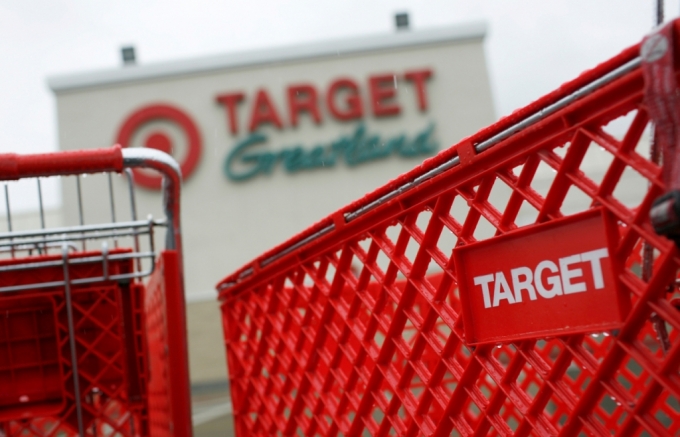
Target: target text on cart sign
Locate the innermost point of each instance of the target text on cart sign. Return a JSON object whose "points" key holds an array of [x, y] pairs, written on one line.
{"points": [[548, 279], [342, 101], [543, 280]]}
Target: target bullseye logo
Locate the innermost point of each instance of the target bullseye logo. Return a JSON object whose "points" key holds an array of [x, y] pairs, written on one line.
{"points": [[160, 140]]}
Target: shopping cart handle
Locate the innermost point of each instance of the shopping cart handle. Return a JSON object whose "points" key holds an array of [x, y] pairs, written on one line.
{"points": [[14, 166]]}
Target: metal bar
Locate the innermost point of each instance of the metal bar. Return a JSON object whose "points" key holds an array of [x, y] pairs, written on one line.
{"points": [[76, 261], [658, 323], [105, 260], [133, 208], [141, 224], [72, 343], [113, 204], [120, 277], [647, 271], [111, 199], [83, 281], [404, 188], [648, 251], [42, 213], [7, 209], [40, 202], [565, 101], [9, 214], [81, 219], [172, 179], [63, 238], [300, 243], [29, 244], [152, 242], [18, 246]]}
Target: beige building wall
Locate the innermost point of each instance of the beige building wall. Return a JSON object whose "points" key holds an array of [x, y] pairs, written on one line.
{"points": [[227, 223]]}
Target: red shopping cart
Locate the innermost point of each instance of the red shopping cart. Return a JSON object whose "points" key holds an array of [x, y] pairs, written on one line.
{"points": [[365, 324], [87, 345]]}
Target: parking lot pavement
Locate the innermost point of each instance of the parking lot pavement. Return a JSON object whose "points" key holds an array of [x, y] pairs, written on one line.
{"points": [[212, 417]]}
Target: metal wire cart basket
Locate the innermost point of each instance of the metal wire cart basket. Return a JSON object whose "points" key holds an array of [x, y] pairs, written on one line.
{"points": [[412, 312], [92, 317]]}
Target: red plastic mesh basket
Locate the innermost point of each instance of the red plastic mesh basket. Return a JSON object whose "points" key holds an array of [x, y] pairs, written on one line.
{"points": [[353, 327], [37, 397]]}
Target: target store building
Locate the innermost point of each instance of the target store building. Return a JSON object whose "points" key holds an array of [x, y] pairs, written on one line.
{"points": [[271, 141]]}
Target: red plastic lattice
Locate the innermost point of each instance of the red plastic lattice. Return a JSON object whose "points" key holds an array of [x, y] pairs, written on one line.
{"points": [[358, 331], [38, 397]]}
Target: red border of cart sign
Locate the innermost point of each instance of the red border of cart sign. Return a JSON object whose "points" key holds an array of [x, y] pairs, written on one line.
{"points": [[542, 281]]}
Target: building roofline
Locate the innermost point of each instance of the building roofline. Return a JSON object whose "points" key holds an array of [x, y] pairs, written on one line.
{"points": [[136, 73]]}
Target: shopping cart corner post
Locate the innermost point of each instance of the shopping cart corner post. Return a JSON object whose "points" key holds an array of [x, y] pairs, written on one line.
{"points": [[172, 180]]}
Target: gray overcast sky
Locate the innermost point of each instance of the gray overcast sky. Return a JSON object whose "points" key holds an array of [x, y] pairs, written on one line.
{"points": [[532, 46]]}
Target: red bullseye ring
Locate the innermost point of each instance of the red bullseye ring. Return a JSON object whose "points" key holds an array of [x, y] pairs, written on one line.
{"points": [[160, 141]]}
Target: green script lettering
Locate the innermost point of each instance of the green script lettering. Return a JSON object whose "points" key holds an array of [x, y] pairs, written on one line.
{"points": [[246, 161]]}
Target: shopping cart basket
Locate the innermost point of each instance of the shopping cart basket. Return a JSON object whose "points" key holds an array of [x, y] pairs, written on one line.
{"points": [[87, 345], [356, 325]]}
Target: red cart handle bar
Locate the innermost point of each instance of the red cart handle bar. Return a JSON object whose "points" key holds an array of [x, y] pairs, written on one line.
{"points": [[112, 159]]}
